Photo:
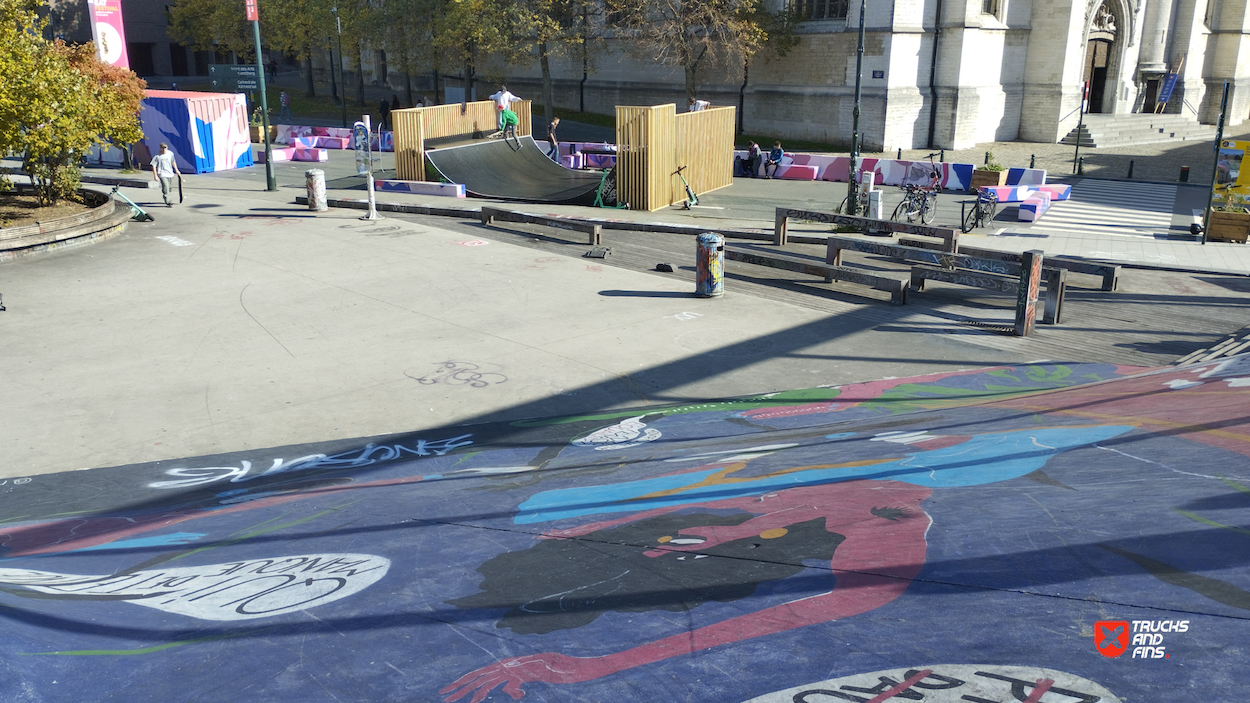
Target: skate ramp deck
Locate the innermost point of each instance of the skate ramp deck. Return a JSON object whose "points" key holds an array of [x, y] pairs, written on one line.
{"points": [[498, 169]]}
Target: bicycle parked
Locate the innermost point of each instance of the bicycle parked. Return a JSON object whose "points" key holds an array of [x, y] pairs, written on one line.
{"points": [[920, 201], [982, 212], [861, 204]]}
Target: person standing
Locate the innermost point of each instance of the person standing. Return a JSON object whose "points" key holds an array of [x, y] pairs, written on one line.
{"points": [[285, 101], [774, 159], [503, 103], [385, 111], [164, 169], [551, 139]]}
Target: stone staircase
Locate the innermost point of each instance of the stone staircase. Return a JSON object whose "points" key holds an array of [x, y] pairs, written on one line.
{"points": [[1127, 130]]}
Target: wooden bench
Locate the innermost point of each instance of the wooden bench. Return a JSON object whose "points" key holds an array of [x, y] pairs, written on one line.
{"points": [[1110, 273], [963, 264], [949, 236], [1055, 279], [896, 287], [490, 214]]}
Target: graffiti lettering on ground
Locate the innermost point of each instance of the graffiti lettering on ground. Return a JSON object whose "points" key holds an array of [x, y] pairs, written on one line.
{"points": [[734, 549], [233, 591]]}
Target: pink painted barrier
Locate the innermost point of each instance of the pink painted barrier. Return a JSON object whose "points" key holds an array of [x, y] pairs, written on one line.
{"points": [[1009, 194], [311, 155], [1058, 191], [279, 154], [1036, 205]]}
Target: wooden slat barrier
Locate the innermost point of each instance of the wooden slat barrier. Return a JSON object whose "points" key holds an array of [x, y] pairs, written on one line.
{"points": [[963, 269], [645, 152], [1110, 272], [1024, 287], [490, 214], [950, 237], [414, 125], [896, 287], [705, 146]]}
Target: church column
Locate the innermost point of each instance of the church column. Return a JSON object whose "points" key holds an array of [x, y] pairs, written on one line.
{"points": [[1154, 37]]}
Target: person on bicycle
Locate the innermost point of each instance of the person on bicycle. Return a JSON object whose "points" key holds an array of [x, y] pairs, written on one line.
{"points": [[774, 159]]}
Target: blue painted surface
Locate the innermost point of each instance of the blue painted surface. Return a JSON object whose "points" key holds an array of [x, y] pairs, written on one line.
{"points": [[1018, 564]]}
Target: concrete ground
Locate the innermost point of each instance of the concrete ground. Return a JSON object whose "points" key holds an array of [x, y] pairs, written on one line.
{"points": [[411, 460]]}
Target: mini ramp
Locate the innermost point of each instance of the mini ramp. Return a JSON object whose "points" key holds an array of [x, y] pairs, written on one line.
{"points": [[498, 169]]}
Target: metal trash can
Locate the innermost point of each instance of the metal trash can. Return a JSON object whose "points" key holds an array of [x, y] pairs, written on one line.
{"points": [[315, 180], [709, 265]]}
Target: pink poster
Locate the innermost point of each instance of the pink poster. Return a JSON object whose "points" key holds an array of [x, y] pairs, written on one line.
{"points": [[108, 32]]}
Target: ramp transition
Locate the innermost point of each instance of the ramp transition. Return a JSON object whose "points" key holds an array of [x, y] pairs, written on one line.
{"points": [[498, 169]]}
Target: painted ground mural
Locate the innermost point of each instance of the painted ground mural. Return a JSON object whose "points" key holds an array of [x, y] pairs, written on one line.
{"points": [[1044, 533]]}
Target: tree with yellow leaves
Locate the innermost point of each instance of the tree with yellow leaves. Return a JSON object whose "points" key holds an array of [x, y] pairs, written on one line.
{"points": [[57, 101]]}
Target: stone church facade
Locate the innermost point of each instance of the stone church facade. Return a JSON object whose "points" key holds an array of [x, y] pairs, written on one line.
{"points": [[1001, 70]]}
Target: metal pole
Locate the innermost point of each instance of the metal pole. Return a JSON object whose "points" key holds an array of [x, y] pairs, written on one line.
{"points": [[271, 183], [1080, 122], [852, 195], [1215, 167], [338, 25]]}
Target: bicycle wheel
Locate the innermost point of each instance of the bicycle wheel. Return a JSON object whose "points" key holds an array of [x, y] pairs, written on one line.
{"points": [[900, 211], [970, 217], [989, 216], [928, 208], [842, 207]]}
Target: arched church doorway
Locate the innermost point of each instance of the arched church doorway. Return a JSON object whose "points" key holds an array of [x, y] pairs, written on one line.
{"points": [[1100, 59]]}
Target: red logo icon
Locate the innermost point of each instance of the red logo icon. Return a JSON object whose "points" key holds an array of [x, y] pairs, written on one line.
{"points": [[1111, 637]]}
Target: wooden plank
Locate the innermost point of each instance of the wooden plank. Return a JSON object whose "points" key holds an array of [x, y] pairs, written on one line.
{"points": [[1110, 272], [973, 279], [1026, 294], [929, 256], [896, 287], [949, 236], [705, 146], [490, 214]]}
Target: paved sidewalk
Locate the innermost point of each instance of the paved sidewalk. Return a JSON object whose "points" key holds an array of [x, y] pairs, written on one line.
{"points": [[750, 203]]}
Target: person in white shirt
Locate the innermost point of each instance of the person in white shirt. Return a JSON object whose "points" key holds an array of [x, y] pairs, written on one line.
{"points": [[503, 101], [164, 168], [697, 105]]}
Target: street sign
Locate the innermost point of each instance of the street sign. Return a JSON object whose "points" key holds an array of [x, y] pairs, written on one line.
{"points": [[242, 77], [250, 7]]}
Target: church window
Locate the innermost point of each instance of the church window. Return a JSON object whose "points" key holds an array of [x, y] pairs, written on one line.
{"points": [[819, 9]]}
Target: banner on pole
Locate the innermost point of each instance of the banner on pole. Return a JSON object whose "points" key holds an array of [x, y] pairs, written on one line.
{"points": [[108, 32], [252, 14]]}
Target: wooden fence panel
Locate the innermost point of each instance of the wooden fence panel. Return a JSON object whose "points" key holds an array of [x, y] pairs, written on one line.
{"points": [[705, 146], [416, 124], [645, 144]]}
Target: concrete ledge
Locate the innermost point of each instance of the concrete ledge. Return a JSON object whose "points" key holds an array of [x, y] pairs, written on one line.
{"points": [[475, 214], [100, 223], [123, 181]]}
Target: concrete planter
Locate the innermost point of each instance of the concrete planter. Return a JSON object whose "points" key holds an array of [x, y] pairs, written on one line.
{"points": [[107, 219], [987, 178], [1228, 227]]}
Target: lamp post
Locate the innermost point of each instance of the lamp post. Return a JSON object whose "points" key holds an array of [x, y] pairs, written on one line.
{"points": [[852, 195], [338, 25]]}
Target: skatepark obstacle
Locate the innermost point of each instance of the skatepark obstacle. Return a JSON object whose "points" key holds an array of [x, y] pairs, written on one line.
{"points": [[653, 141], [415, 125]]}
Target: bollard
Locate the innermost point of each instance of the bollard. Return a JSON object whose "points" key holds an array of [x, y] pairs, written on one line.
{"points": [[1080, 166], [1184, 174], [315, 180], [1032, 160], [900, 153], [1130, 168], [709, 264], [942, 156], [987, 158]]}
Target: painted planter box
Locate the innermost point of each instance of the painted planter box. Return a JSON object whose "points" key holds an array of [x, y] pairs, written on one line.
{"points": [[1228, 227], [987, 178]]}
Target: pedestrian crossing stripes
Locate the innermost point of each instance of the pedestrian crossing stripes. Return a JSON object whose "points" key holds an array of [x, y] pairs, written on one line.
{"points": [[1111, 207]]}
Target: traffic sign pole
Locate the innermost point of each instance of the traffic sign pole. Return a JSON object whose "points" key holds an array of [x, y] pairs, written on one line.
{"points": [[271, 183]]}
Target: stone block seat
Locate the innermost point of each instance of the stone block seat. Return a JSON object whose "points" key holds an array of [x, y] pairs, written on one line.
{"points": [[1058, 191], [1033, 207]]}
